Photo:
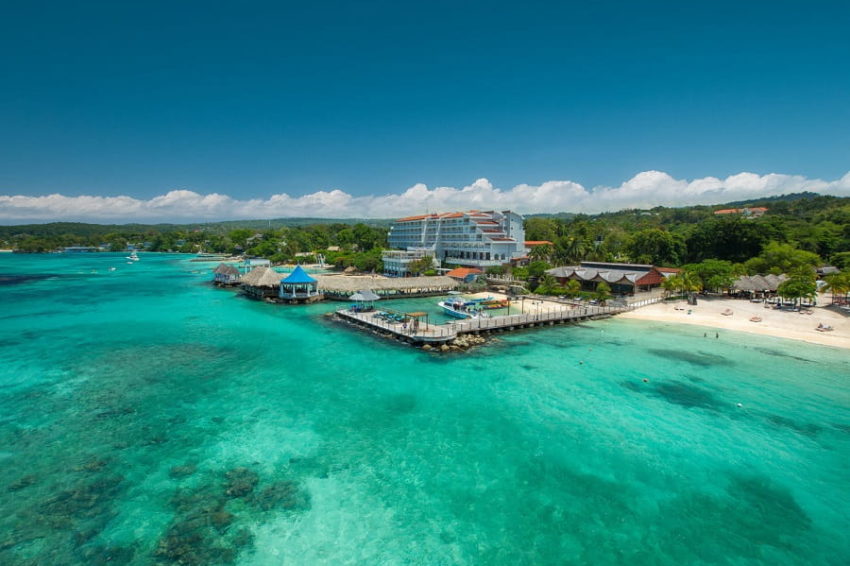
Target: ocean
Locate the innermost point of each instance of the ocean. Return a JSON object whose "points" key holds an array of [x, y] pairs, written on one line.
{"points": [[149, 418]]}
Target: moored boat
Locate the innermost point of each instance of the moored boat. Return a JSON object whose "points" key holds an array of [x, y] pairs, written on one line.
{"points": [[496, 304], [458, 308]]}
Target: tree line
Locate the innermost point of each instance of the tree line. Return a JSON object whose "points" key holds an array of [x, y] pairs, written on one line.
{"points": [[797, 233]]}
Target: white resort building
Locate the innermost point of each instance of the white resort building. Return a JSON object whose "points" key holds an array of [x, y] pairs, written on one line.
{"points": [[473, 238]]}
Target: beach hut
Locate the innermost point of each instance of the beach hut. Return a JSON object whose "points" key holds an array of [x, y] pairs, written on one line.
{"points": [[341, 288], [743, 284], [298, 286], [226, 274], [261, 283]]}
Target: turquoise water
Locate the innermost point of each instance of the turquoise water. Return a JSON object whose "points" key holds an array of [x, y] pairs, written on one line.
{"points": [[147, 418]]}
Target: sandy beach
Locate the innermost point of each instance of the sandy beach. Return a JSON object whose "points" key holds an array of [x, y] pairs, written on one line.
{"points": [[782, 324]]}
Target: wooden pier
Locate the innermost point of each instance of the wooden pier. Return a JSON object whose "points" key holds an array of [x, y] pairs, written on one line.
{"points": [[437, 334]]}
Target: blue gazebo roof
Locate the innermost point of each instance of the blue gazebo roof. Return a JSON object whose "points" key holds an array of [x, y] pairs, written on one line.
{"points": [[298, 275]]}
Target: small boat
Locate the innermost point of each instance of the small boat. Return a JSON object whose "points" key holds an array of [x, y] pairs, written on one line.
{"points": [[112, 268], [133, 256], [207, 256], [496, 304], [458, 308]]}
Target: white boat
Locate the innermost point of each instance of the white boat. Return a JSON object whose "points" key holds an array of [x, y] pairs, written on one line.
{"points": [[458, 308], [133, 256]]}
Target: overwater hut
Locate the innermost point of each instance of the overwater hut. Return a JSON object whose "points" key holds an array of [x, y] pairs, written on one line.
{"points": [[261, 283], [226, 274], [365, 300], [341, 288], [299, 287]]}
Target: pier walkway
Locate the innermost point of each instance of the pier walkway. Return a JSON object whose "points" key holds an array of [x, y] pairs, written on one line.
{"points": [[442, 333]]}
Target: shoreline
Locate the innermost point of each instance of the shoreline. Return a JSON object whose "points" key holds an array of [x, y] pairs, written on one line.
{"points": [[778, 324]]}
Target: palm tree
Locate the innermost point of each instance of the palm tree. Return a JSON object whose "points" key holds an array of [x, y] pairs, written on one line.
{"points": [[799, 285], [547, 285], [672, 284], [838, 284], [683, 283], [576, 249], [542, 252], [572, 288], [603, 292], [691, 283]]}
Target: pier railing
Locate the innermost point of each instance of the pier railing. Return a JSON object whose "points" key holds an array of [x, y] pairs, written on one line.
{"points": [[450, 331], [642, 303], [523, 319]]}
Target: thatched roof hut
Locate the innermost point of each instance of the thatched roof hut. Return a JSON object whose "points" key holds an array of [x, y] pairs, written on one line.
{"points": [[336, 285], [262, 277], [774, 281], [226, 269], [743, 283], [367, 295], [758, 283]]}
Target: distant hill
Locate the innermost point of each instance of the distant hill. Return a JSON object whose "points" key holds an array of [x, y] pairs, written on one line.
{"points": [[767, 200], [89, 230], [814, 201]]}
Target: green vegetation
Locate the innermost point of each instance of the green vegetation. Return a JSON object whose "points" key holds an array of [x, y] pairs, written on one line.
{"points": [[683, 283], [715, 275], [839, 285], [603, 292], [799, 285], [420, 266], [359, 244], [806, 222]]}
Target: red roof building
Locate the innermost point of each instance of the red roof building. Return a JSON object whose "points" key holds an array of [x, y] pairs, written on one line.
{"points": [[464, 273], [753, 212]]}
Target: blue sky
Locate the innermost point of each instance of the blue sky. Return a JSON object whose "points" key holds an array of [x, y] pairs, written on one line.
{"points": [[252, 99]]}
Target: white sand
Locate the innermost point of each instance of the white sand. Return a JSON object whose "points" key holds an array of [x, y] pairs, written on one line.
{"points": [[782, 324], [528, 306]]}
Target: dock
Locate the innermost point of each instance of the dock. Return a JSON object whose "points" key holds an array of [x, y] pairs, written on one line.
{"points": [[438, 334]]}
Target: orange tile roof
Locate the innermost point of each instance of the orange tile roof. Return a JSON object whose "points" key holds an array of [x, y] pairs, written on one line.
{"points": [[668, 269], [726, 211], [419, 217], [462, 272], [538, 243], [758, 209]]}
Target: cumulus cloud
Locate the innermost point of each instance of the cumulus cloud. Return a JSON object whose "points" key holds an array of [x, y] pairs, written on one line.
{"points": [[644, 190]]}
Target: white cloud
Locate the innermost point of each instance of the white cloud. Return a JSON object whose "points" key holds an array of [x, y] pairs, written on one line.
{"points": [[644, 190]]}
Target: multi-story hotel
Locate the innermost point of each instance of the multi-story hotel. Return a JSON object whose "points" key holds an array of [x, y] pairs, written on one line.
{"points": [[474, 238]]}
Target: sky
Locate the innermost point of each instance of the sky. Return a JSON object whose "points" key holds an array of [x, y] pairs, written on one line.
{"points": [[208, 110]]}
